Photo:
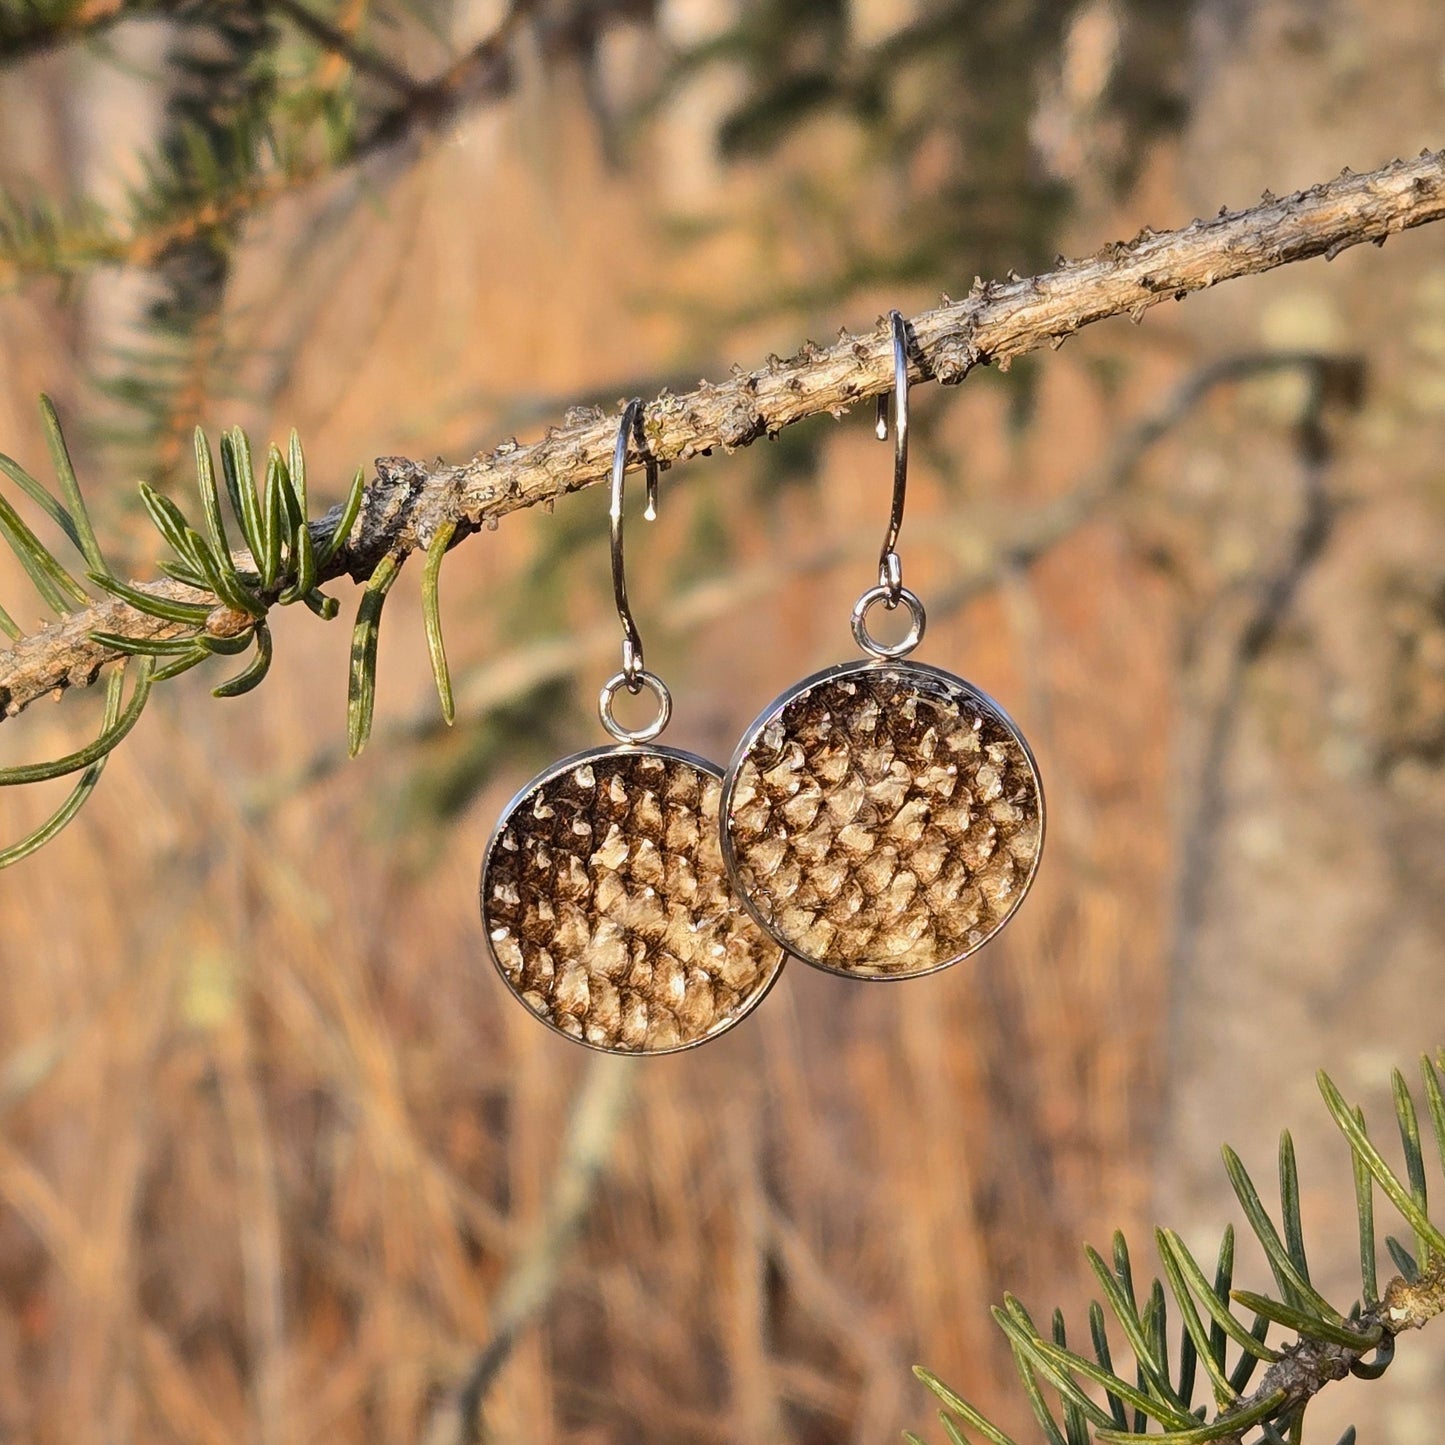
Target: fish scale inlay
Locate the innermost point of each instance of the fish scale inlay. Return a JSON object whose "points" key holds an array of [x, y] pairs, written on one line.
{"points": [[886, 821], [609, 911]]}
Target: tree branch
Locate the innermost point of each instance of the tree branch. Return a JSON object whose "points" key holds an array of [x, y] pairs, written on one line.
{"points": [[408, 502], [1310, 1365], [361, 58], [27, 30], [423, 109], [982, 561]]}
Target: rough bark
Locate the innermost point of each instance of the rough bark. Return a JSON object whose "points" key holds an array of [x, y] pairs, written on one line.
{"points": [[408, 502]]}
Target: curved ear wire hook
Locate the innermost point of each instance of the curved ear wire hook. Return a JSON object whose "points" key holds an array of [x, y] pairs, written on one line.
{"points": [[633, 667], [890, 567]]}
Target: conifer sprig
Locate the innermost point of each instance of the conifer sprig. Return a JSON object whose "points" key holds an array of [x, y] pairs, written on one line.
{"points": [[1223, 1334], [226, 597]]}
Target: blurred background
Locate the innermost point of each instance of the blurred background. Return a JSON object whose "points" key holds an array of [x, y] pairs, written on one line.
{"points": [[280, 1159]]}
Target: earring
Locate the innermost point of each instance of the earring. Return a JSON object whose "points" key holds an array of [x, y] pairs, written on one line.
{"points": [[606, 904], [883, 819]]}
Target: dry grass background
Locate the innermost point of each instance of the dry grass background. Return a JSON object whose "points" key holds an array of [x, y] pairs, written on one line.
{"points": [[274, 1142]]}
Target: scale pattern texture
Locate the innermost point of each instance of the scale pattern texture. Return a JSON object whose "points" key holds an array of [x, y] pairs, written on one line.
{"points": [[609, 912], [885, 822]]}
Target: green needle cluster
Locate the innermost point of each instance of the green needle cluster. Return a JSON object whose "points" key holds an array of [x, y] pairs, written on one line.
{"points": [[1223, 1332], [285, 554]]}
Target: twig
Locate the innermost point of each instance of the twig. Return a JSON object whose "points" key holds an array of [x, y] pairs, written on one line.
{"points": [[359, 57], [1308, 1367], [27, 31], [408, 502], [981, 559], [483, 75], [30, 31]]}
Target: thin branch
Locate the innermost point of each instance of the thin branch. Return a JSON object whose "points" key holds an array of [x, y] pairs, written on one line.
{"points": [[980, 561], [1312, 1364], [482, 76], [27, 30], [408, 502], [361, 58], [484, 73]]}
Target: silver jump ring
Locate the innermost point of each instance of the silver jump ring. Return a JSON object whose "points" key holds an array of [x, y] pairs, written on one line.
{"points": [[867, 641], [635, 735]]}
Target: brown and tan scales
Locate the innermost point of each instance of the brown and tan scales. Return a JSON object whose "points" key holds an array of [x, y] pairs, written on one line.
{"points": [[885, 820], [608, 909]]}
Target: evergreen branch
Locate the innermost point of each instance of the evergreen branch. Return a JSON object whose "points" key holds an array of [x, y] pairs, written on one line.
{"points": [[60, 591], [1119, 1296], [1215, 1300], [359, 57], [1328, 1344], [77, 514], [221, 610], [482, 74], [1289, 1205], [30, 27], [165, 216], [173, 211], [407, 503], [1410, 1207], [345, 519], [1414, 1161], [243, 682], [980, 564], [1206, 1348], [222, 86], [1291, 1282]]}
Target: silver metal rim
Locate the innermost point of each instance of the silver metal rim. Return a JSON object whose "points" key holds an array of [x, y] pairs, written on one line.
{"points": [[655, 685], [703, 765], [889, 599], [750, 736]]}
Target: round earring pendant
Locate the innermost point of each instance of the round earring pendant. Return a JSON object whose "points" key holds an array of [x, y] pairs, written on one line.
{"points": [[882, 819], [608, 909]]}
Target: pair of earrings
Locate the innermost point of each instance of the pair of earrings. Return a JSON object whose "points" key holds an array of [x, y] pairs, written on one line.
{"points": [[881, 819]]}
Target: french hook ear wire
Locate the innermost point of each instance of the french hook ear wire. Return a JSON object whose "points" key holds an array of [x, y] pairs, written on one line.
{"points": [[890, 566], [634, 669]]}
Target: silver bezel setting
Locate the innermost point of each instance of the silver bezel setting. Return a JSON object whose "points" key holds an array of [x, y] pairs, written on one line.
{"points": [[831, 674], [556, 770]]}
